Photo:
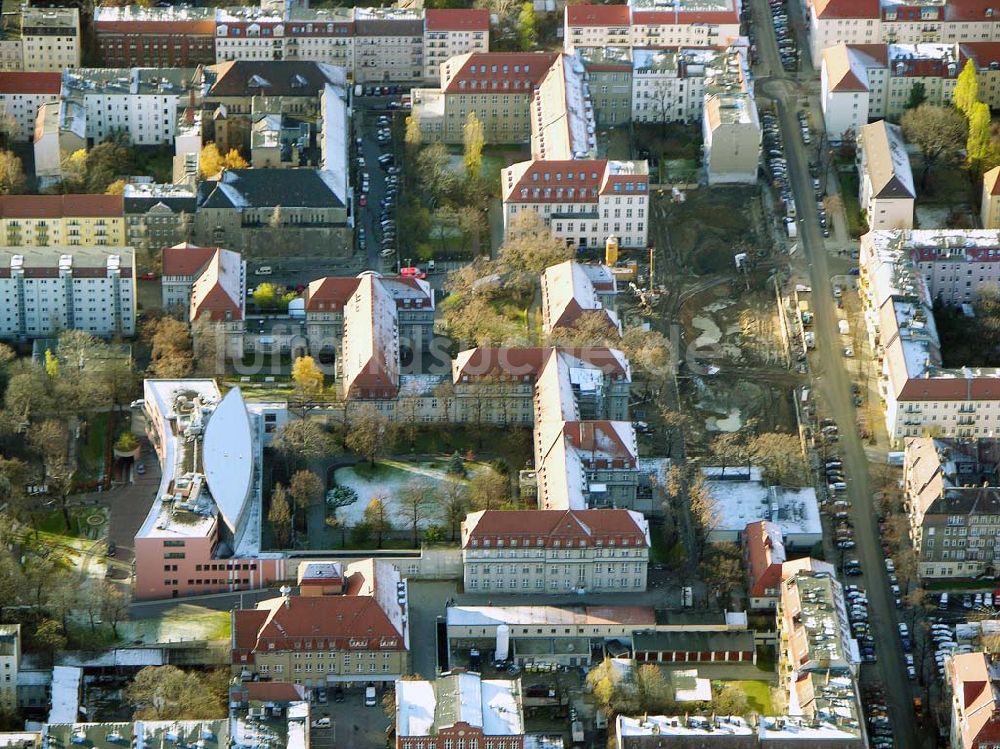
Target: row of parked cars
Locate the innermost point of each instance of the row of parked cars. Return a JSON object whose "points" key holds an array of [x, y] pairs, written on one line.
{"points": [[776, 164], [857, 613], [877, 715], [787, 49]]}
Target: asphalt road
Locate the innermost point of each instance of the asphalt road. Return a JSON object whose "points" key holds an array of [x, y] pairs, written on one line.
{"points": [[366, 126], [832, 383]]}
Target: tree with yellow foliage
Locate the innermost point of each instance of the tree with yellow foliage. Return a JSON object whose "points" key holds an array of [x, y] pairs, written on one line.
{"points": [[211, 160], [307, 375]]}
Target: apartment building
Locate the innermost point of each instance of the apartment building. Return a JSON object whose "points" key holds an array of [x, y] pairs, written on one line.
{"points": [[68, 220], [159, 37], [48, 38], [610, 72], [10, 664], [326, 300], [562, 115], [21, 95], [461, 709], [354, 638], [972, 684], [533, 551], [730, 127], [250, 33], [158, 216], [817, 660], [181, 264], [953, 499], [498, 86], [989, 211], [833, 22], [764, 552], [202, 533], [902, 273], [450, 32], [238, 211], [44, 290], [140, 103], [886, 192], [572, 290], [369, 361], [652, 23], [60, 129], [388, 45], [583, 202], [864, 82]]}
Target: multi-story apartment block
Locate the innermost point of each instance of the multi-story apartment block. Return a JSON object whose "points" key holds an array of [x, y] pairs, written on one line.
{"points": [[49, 39], [498, 86], [202, 533], [326, 300], [161, 37], [181, 265], [158, 216], [610, 72], [953, 498], [652, 23], [21, 95], [461, 709], [10, 664], [68, 220], [388, 44], [583, 202], [140, 103], [572, 290], [539, 551], [450, 32], [886, 191], [44, 290], [833, 22], [989, 212], [60, 130], [668, 85], [369, 360], [354, 638], [250, 33], [265, 213], [972, 684], [730, 127], [902, 274], [562, 115], [863, 82]]}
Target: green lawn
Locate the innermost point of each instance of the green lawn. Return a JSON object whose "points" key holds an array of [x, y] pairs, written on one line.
{"points": [[849, 194], [93, 447], [765, 659], [185, 622], [758, 695], [80, 526]]}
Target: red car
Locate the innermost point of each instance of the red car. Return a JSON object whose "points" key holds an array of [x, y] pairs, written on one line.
{"points": [[363, 200], [148, 276]]}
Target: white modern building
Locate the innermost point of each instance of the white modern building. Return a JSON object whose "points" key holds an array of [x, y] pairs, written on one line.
{"points": [[583, 202], [44, 290], [902, 274], [21, 95], [140, 102], [886, 190], [864, 82]]}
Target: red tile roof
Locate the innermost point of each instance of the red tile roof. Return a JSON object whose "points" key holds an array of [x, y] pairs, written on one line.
{"points": [[506, 72], [765, 566], [30, 83], [528, 361], [553, 528], [198, 27], [597, 15], [185, 259], [600, 437], [557, 181], [828, 9], [684, 18], [274, 691], [58, 206], [327, 622], [330, 294], [457, 19], [984, 11]]}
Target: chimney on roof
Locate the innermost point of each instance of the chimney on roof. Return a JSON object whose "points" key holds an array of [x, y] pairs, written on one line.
{"points": [[286, 593]]}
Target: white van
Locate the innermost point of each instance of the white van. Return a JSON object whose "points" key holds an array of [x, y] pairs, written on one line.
{"points": [[321, 723], [370, 700], [264, 270], [943, 603]]}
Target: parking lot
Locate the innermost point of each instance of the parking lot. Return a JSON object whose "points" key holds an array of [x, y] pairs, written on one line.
{"points": [[351, 722]]}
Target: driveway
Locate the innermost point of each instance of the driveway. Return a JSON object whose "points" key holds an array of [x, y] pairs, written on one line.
{"points": [[831, 381], [352, 723]]}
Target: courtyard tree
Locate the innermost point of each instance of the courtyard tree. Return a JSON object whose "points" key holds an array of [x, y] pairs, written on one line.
{"points": [[370, 433], [415, 506], [307, 376], [980, 150], [530, 248], [114, 605], [722, 570], [266, 296], [412, 136], [454, 505], [168, 693], [172, 355], [377, 517], [729, 699], [301, 441], [966, 93], [938, 133], [280, 516], [652, 689], [918, 95], [527, 26], [489, 490], [50, 639], [473, 140], [305, 487], [433, 173], [12, 179], [612, 692]]}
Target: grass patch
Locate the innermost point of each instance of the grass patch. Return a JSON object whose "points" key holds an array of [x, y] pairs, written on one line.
{"points": [[93, 447], [659, 553], [765, 658], [758, 695], [849, 194], [184, 622], [52, 523]]}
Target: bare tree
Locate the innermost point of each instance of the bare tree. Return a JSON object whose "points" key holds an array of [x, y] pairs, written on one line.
{"points": [[416, 502]]}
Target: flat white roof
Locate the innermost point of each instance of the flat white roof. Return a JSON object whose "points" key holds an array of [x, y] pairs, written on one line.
{"points": [[740, 501], [415, 702], [65, 694], [694, 725], [228, 455]]}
